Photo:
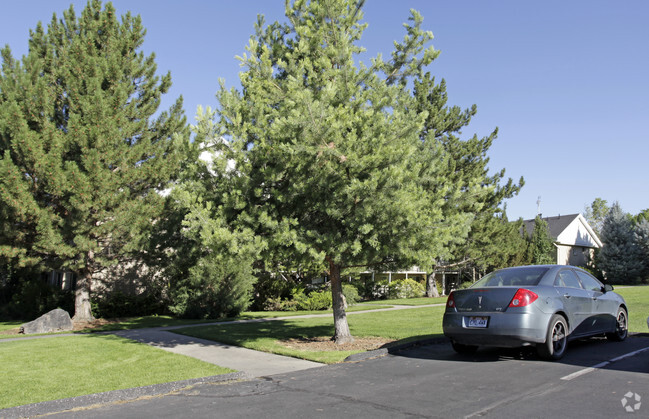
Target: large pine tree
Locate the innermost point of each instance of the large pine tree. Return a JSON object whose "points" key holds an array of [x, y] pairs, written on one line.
{"points": [[327, 151], [81, 153], [540, 249], [473, 198]]}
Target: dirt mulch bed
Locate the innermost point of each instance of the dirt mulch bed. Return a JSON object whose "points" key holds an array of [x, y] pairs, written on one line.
{"points": [[326, 344]]}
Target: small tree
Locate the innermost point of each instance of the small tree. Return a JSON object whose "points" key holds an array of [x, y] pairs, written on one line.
{"points": [[620, 258], [596, 213], [541, 250], [81, 156], [472, 198]]}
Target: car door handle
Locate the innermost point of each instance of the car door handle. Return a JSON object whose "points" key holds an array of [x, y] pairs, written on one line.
{"points": [[566, 295]]}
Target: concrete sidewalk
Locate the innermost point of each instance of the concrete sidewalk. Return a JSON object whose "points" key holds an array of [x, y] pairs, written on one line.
{"points": [[251, 363]]}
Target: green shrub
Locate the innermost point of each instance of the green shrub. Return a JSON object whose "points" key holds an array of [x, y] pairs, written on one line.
{"points": [[272, 304], [33, 298], [216, 287], [405, 288], [300, 299], [269, 290], [465, 285], [314, 300], [319, 300], [118, 304], [351, 294]]}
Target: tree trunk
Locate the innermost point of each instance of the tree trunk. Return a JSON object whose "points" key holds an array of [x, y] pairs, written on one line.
{"points": [[342, 333], [431, 286], [82, 309]]}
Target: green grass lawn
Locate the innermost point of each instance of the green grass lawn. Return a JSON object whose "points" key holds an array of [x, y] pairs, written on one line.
{"points": [[48, 369], [8, 325], [637, 300], [400, 326]]}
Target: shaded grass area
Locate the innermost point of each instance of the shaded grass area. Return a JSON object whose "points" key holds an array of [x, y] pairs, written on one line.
{"points": [[399, 326], [637, 300], [165, 321], [49, 369]]}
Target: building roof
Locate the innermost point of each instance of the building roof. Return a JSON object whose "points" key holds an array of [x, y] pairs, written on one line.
{"points": [[570, 229]]}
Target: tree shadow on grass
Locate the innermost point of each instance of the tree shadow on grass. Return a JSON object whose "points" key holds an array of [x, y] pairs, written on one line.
{"points": [[241, 333]]}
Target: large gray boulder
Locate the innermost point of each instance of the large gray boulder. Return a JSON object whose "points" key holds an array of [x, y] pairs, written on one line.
{"points": [[56, 320]]}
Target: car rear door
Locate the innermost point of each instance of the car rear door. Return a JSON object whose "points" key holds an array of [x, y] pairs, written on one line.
{"points": [[577, 302], [604, 308]]}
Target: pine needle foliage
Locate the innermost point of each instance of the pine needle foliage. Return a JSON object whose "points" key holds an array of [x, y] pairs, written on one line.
{"points": [[82, 152], [330, 169]]}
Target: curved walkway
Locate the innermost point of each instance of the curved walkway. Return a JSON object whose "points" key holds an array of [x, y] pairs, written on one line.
{"points": [[252, 363]]}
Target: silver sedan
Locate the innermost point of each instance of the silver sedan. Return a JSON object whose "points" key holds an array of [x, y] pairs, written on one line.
{"points": [[541, 305]]}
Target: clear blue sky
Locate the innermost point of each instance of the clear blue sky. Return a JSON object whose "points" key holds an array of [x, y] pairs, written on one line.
{"points": [[566, 82]]}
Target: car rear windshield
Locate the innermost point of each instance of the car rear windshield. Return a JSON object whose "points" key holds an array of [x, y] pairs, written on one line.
{"points": [[512, 277]]}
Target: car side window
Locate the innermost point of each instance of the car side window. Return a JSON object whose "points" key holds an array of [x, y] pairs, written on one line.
{"points": [[589, 282], [566, 279]]}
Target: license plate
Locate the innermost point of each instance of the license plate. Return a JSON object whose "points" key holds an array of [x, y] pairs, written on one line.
{"points": [[477, 321]]}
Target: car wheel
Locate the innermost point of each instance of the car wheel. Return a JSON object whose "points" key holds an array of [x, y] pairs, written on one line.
{"points": [[621, 326], [556, 339], [464, 349]]}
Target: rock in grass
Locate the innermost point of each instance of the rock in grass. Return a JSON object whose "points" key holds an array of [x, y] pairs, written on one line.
{"points": [[57, 320]]}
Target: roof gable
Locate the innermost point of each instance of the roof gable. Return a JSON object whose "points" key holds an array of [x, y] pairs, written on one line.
{"points": [[571, 230]]}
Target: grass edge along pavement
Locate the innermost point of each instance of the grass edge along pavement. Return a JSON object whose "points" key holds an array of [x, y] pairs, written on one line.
{"points": [[362, 324], [67, 366]]}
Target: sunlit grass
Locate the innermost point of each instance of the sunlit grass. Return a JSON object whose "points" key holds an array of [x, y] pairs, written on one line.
{"points": [[37, 370], [398, 325], [637, 300]]}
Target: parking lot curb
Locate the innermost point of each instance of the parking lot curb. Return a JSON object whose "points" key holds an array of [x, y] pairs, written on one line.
{"points": [[394, 349]]}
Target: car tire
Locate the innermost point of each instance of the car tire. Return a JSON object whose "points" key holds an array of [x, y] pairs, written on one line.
{"points": [[556, 339], [464, 349], [621, 326]]}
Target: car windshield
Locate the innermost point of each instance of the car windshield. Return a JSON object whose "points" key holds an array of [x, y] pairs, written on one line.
{"points": [[512, 277]]}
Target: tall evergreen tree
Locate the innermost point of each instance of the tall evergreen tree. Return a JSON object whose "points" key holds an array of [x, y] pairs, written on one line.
{"points": [[620, 258], [327, 151], [474, 198], [642, 240], [541, 250], [81, 154]]}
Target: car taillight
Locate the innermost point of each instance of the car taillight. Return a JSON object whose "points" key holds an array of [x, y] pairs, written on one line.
{"points": [[523, 298], [450, 303]]}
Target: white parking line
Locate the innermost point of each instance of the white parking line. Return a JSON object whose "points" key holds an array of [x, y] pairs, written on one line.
{"points": [[601, 365]]}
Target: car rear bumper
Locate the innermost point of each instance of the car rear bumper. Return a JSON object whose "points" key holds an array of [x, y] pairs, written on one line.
{"points": [[503, 329]]}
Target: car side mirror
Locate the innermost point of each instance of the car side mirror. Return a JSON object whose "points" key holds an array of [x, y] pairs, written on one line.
{"points": [[607, 288]]}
